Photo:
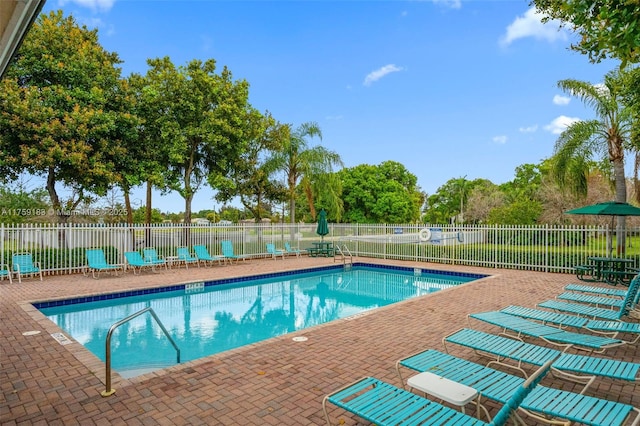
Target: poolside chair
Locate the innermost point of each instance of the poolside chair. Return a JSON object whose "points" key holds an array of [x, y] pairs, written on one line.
{"points": [[629, 302], [6, 272], [23, 265], [151, 256], [96, 263], [384, 404], [606, 291], [520, 327], [204, 256], [591, 299], [271, 249], [184, 255], [227, 252], [577, 368], [610, 328], [289, 250], [135, 260], [546, 404]]}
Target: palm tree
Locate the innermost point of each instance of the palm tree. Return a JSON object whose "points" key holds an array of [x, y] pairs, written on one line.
{"points": [[306, 165], [603, 138]]}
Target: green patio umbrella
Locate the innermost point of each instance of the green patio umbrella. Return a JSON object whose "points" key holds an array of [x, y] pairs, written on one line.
{"points": [[323, 226], [609, 208]]}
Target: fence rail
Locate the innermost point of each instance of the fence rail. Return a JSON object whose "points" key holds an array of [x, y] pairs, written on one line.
{"points": [[60, 248]]}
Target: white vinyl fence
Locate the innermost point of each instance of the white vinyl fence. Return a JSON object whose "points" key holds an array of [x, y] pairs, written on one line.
{"points": [[60, 249]]}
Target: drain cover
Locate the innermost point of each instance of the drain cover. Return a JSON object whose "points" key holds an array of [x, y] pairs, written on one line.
{"points": [[300, 339]]}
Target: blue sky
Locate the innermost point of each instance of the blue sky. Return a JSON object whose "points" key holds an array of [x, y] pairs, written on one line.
{"points": [[447, 88]]}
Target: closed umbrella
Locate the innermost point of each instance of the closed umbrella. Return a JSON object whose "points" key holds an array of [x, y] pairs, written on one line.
{"points": [[610, 208], [323, 226]]}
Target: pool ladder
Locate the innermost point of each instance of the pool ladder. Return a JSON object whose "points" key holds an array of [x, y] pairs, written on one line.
{"points": [[344, 251], [108, 391]]}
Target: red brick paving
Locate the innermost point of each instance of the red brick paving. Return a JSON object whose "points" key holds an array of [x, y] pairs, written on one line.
{"points": [[275, 382]]}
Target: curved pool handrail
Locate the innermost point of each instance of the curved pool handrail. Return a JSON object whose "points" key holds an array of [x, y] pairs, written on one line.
{"points": [[108, 391]]}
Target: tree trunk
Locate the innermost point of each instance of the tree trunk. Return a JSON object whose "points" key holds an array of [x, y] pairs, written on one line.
{"points": [[621, 197], [187, 219], [147, 216], [127, 206], [53, 195]]}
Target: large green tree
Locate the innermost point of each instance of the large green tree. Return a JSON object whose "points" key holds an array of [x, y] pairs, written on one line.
{"points": [[607, 28], [448, 202], [482, 199], [150, 154], [61, 111], [305, 164], [387, 193], [202, 117], [600, 139], [253, 177]]}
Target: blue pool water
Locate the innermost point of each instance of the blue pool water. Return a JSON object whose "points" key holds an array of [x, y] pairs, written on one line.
{"points": [[205, 318]]}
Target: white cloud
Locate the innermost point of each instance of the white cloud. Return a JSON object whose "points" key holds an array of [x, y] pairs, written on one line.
{"points": [[561, 100], [502, 139], [376, 75], [95, 5], [602, 89], [560, 124], [528, 129], [530, 25], [453, 4]]}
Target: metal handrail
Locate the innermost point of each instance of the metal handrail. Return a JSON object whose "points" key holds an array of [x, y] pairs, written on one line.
{"points": [[341, 250], [108, 391]]}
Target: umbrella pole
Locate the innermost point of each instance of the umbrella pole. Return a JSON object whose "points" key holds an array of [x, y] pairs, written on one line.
{"points": [[610, 238]]}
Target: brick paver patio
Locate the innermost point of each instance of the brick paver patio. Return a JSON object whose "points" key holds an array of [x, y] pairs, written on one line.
{"points": [[276, 382]]}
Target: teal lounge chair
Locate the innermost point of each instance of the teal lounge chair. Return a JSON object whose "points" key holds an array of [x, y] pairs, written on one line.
{"points": [[135, 261], [385, 404], [520, 327], [577, 368], [594, 289], [547, 317], [6, 272], [289, 250], [23, 264], [592, 299], [610, 328], [271, 249], [544, 403], [184, 255], [228, 253], [151, 256], [593, 312], [204, 256], [96, 263]]}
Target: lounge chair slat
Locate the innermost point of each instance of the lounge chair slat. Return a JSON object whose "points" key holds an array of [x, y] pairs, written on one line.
{"points": [[619, 326], [583, 288], [545, 316], [548, 333]]}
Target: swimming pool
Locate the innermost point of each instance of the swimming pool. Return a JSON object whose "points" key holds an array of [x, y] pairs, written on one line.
{"points": [[205, 318]]}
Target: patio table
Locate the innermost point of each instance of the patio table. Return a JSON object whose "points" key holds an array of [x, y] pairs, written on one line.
{"points": [[322, 248], [612, 270]]}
